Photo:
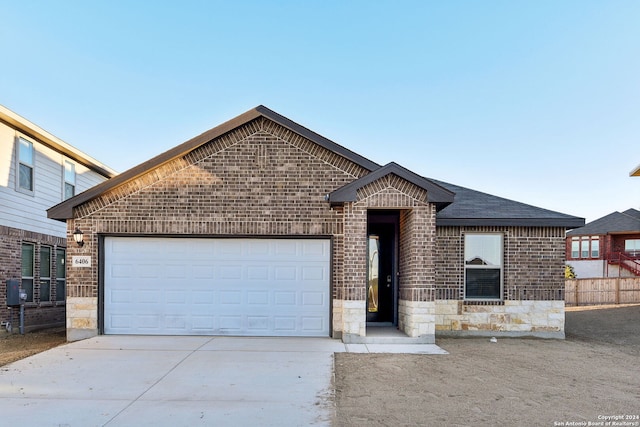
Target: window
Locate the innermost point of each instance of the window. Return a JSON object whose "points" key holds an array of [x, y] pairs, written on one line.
{"points": [[483, 266], [61, 275], [632, 246], [69, 180], [25, 165], [28, 252], [45, 273], [585, 247]]}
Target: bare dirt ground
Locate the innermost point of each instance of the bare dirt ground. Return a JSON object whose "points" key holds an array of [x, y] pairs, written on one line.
{"points": [[15, 346], [593, 374]]}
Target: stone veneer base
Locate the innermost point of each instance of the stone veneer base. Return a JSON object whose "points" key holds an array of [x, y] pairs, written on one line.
{"points": [[543, 319]]}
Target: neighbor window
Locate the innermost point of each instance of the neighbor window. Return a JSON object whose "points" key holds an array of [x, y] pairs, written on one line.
{"points": [[25, 167], [585, 247], [483, 266], [61, 275], [45, 273], [69, 180], [28, 261], [632, 246]]}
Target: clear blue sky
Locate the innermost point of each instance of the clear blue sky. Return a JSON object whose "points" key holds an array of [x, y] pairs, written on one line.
{"points": [[536, 101]]}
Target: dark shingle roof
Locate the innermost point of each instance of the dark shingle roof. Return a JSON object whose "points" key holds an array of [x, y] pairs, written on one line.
{"points": [[474, 208], [469, 207], [435, 193], [616, 222]]}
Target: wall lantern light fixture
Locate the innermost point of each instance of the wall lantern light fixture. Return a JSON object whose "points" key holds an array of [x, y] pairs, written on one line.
{"points": [[78, 236]]}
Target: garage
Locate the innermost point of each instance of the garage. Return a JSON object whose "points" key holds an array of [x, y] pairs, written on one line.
{"points": [[216, 286]]}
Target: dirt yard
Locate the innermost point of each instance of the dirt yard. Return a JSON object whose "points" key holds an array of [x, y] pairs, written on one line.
{"points": [[15, 346], [593, 374]]}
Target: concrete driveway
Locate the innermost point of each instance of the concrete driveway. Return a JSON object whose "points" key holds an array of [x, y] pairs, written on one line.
{"points": [[178, 381]]}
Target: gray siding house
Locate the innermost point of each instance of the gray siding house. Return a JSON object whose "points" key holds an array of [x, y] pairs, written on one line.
{"points": [[37, 170]]}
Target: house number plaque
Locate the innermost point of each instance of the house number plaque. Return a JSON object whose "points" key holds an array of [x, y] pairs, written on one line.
{"points": [[81, 261]]}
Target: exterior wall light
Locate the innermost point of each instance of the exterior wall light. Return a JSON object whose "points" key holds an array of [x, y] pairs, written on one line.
{"points": [[78, 236]]}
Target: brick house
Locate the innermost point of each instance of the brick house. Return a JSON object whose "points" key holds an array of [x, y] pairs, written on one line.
{"points": [[606, 247], [260, 226], [37, 170]]}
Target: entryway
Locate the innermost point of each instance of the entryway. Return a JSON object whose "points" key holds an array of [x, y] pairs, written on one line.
{"points": [[382, 269]]}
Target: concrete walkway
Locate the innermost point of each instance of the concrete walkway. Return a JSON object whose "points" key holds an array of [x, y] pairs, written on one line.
{"points": [[179, 381]]}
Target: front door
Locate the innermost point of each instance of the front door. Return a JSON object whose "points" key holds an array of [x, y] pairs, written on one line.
{"points": [[381, 276]]}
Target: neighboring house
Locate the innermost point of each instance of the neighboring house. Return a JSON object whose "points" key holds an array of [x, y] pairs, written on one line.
{"points": [[37, 170], [606, 247], [635, 172], [260, 226]]}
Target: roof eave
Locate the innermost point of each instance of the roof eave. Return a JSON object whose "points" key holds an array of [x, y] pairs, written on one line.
{"points": [[64, 210], [34, 131], [568, 223]]}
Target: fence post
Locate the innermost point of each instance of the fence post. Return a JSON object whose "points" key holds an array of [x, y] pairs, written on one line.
{"points": [[577, 301], [617, 290]]}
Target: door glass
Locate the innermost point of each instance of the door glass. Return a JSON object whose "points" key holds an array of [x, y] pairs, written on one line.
{"points": [[373, 273]]}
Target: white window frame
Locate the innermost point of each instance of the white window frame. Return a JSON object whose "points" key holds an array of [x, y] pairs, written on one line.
{"points": [[66, 162], [585, 245], [476, 267], [32, 166], [635, 249]]}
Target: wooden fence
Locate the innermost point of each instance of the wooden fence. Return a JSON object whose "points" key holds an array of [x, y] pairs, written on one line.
{"points": [[614, 290]]}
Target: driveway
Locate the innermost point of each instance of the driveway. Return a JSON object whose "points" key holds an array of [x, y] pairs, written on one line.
{"points": [[178, 381]]}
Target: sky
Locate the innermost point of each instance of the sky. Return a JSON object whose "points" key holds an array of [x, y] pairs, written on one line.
{"points": [[535, 101]]}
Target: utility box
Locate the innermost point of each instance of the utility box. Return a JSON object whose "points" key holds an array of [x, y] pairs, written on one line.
{"points": [[13, 293]]}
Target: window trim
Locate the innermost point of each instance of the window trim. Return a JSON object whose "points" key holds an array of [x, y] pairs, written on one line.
{"points": [[33, 271], [64, 178], [19, 163], [635, 251], [45, 278], [61, 275], [581, 241], [466, 266]]}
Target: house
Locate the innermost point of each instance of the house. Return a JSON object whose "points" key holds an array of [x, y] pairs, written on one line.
{"points": [[261, 226], [606, 247], [37, 170], [635, 171]]}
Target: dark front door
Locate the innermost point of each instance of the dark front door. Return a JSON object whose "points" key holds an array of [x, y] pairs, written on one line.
{"points": [[381, 275]]}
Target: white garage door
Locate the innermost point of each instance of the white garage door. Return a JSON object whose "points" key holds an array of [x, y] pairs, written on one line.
{"points": [[251, 287]]}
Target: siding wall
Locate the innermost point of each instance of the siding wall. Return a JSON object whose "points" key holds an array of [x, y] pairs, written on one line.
{"points": [[28, 211]]}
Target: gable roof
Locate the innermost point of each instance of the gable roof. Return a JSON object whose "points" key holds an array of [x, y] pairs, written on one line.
{"points": [[36, 132], [457, 205], [435, 193], [614, 223], [64, 210], [474, 208], [635, 171]]}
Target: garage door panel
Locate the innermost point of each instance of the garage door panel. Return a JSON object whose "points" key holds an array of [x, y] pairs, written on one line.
{"points": [[241, 287]]}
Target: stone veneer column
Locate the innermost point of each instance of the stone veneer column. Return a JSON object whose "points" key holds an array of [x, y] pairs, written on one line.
{"points": [[82, 318]]}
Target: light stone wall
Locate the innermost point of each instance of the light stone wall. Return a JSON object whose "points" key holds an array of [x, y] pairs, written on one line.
{"points": [[349, 318], [417, 318], [82, 318], [514, 318]]}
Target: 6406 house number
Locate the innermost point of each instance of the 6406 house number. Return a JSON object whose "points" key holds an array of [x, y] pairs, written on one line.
{"points": [[81, 261]]}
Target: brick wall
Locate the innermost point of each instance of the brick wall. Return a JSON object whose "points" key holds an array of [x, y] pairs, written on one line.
{"points": [[37, 314], [534, 260], [258, 180]]}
